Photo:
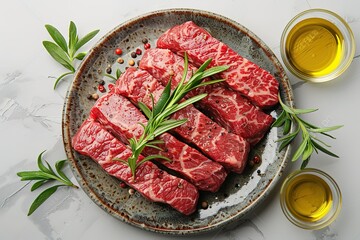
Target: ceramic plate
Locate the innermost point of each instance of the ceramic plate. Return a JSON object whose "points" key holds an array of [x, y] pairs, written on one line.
{"points": [[239, 195]]}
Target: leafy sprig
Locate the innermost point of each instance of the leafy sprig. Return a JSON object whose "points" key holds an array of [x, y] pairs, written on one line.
{"points": [[168, 104], [310, 142], [64, 52], [117, 75], [43, 176]]}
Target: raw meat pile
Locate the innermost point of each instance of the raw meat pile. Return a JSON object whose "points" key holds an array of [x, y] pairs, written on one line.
{"points": [[215, 140]]}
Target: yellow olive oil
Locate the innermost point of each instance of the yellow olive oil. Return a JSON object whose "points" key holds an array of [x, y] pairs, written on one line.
{"points": [[308, 197], [314, 47]]}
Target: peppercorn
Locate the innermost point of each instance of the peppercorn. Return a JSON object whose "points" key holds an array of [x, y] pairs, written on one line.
{"points": [[256, 159], [89, 96], [120, 60], [258, 172], [138, 62], [95, 96], [147, 45], [204, 205], [138, 51], [131, 191], [133, 54], [118, 51], [108, 70], [131, 62], [123, 185], [101, 82], [110, 86], [144, 41], [101, 88]]}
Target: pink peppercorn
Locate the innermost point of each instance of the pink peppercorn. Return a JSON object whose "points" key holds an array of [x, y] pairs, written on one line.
{"points": [[147, 45]]}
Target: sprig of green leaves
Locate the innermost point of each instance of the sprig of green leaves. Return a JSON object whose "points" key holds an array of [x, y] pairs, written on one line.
{"points": [[310, 142], [66, 52], [43, 176], [117, 75], [168, 104]]}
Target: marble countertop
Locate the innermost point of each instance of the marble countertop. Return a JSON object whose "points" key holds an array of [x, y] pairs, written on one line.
{"points": [[30, 118]]}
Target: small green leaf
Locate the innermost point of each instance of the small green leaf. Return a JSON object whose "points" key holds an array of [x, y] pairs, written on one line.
{"points": [[41, 165], [214, 70], [80, 56], [58, 166], [325, 129], [210, 82], [324, 150], [38, 184], [152, 157], [42, 198], [280, 120], [118, 73], [303, 111], [154, 146], [58, 54], [57, 37], [34, 175], [60, 78], [72, 37], [300, 150], [304, 163], [85, 39], [110, 76], [163, 100], [187, 102], [156, 142], [287, 126], [168, 127], [308, 151], [145, 109]]}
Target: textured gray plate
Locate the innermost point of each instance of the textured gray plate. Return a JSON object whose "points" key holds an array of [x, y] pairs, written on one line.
{"points": [[239, 195]]}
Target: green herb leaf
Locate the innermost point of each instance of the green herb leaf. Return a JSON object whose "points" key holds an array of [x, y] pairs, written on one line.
{"points": [[58, 54], [145, 110], [118, 73], [38, 184], [164, 98], [80, 56], [57, 37], [85, 39], [41, 165], [60, 78], [42, 198], [72, 37]]}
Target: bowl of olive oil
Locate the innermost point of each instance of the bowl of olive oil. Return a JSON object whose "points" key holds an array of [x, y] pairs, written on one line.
{"points": [[317, 45], [310, 198]]}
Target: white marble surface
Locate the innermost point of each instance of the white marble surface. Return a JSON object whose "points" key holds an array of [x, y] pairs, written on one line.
{"points": [[30, 118]]}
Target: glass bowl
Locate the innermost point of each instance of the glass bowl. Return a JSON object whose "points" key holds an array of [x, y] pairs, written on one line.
{"points": [[310, 198], [317, 45]]}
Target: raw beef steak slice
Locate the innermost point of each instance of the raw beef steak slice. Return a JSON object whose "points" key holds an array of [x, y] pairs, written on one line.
{"points": [[94, 141], [255, 83]]}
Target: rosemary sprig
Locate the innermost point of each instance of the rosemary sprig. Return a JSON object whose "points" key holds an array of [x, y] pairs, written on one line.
{"points": [[45, 175], [310, 142], [63, 52], [168, 103]]}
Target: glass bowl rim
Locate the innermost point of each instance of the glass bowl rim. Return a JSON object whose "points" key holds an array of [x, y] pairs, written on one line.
{"points": [[348, 39], [337, 200]]}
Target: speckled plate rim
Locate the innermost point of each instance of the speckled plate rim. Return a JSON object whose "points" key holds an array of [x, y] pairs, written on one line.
{"points": [[285, 91]]}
